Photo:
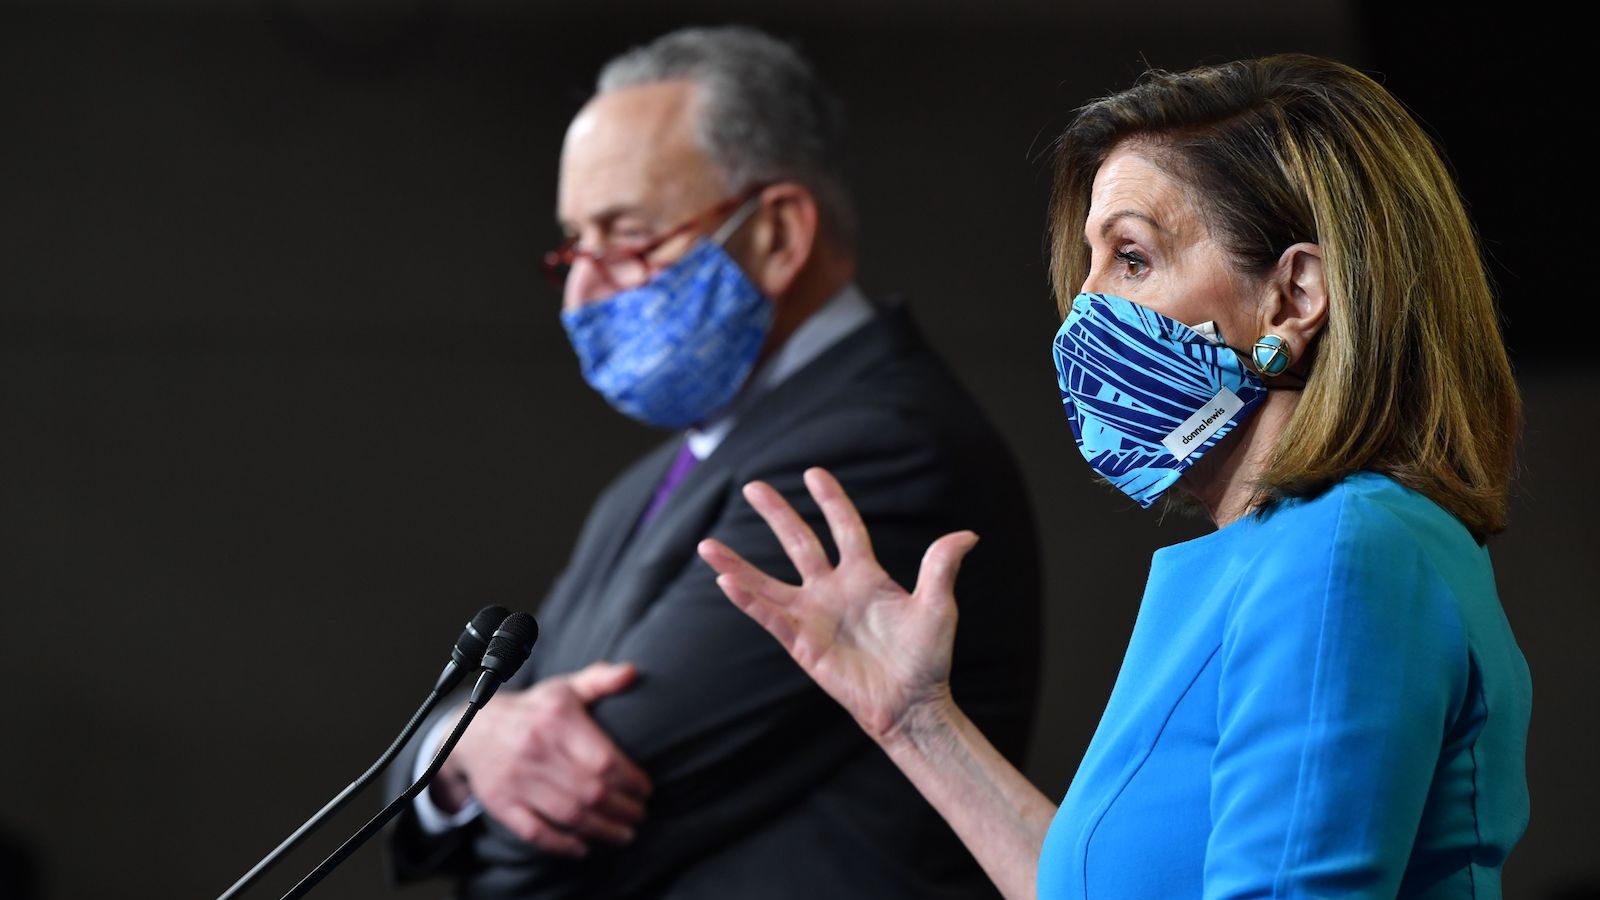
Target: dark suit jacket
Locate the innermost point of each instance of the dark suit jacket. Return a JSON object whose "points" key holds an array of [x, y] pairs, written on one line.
{"points": [[764, 787]]}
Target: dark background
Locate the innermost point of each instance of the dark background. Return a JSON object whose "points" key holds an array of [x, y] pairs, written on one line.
{"points": [[283, 398]]}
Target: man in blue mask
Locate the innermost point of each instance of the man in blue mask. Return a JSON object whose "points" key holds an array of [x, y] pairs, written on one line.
{"points": [[658, 743]]}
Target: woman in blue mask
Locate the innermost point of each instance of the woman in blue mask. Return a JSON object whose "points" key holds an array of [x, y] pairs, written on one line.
{"points": [[1274, 304]]}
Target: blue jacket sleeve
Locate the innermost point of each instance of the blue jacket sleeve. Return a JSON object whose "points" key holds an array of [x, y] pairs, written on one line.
{"points": [[1342, 665]]}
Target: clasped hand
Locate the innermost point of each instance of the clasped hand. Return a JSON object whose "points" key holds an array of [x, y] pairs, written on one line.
{"points": [[881, 652], [544, 769]]}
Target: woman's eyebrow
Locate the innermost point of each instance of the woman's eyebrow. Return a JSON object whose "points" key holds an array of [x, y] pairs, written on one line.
{"points": [[1112, 219]]}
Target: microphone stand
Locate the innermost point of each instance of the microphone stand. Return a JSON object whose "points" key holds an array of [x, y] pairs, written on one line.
{"points": [[393, 809], [450, 677]]}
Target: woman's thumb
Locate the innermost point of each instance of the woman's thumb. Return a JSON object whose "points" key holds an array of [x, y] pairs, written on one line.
{"points": [[943, 561]]}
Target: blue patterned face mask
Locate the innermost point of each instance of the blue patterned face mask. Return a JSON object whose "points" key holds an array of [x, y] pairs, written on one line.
{"points": [[677, 348], [1147, 395]]}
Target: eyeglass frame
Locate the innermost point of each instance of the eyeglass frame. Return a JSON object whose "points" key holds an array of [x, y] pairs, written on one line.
{"points": [[557, 263]]}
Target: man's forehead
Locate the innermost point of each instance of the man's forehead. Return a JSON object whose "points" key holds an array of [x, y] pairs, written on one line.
{"points": [[632, 147], [657, 112]]}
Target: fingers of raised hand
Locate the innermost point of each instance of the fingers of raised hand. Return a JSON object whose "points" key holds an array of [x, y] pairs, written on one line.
{"points": [[849, 534], [727, 561], [942, 562], [799, 541], [767, 612], [760, 595]]}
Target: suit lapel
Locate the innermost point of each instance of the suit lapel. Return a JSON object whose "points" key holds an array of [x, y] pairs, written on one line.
{"points": [[627, 571], [627, 503], [660, 551], [577, 610], [819, 383]]}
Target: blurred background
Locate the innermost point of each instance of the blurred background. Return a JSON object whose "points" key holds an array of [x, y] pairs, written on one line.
{"points": [[284, 399]]}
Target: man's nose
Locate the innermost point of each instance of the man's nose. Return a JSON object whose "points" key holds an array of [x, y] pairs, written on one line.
{"points": [[586, 283]]}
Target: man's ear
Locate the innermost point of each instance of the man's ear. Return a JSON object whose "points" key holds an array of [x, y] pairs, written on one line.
{"points": [[1296, 307], [782, 237]]}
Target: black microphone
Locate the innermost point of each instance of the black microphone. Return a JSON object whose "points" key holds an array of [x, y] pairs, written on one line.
{"points": [[470, 647], [508, 649]]}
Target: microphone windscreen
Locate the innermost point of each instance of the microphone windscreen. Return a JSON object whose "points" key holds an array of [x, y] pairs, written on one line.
{"points": [[511, 644], [483, 625], [474, 639]]}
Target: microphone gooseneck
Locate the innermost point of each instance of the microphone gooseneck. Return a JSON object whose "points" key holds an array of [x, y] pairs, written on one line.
{"points": [[468, 649], [508, 649]]}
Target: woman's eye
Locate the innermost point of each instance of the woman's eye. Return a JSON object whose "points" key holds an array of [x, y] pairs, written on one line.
{"points": [[1132, 263]]}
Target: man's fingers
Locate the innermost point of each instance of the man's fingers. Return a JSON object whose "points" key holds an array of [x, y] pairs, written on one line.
{"points": [[531, 828], [584, 808], [942, 563], [621, 807], [599, 828], [585, 818], [591, 753], [798, 540], [849, 534], [601, 679]]}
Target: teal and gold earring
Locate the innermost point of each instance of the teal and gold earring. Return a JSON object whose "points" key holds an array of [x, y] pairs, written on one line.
{"points": [[1271, 355]]}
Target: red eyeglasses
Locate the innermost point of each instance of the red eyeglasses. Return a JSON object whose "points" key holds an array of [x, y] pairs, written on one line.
{"points": [[631, 266]]}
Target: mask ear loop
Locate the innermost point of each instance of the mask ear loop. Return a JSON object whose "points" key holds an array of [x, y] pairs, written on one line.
{"points": [[1272, 382], [735, 221], [1276, 382]]}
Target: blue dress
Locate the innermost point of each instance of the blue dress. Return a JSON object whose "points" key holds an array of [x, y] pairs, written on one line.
{"points": [[1325, 701]]}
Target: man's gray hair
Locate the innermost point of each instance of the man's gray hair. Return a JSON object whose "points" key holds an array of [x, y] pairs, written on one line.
{"points": [[763, 116]]}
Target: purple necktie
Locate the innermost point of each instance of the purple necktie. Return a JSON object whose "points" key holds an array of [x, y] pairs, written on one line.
{"points": [[675, 474]]}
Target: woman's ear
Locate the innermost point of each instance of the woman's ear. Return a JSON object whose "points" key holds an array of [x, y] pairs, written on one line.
{"points": [[1296, 307], [783, 235]]}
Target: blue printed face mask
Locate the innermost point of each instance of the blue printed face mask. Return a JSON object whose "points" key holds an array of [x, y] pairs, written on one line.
{"points": [[1146, 395], [677, 348]]}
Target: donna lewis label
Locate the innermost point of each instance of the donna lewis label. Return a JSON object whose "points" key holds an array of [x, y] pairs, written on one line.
{"points": [[1188, 437]]}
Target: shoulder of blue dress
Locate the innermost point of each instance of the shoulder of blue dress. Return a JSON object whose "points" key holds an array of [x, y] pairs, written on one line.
{"points": [[1359, 494], [1363, 529], [1303, 533], [1376, 509]]}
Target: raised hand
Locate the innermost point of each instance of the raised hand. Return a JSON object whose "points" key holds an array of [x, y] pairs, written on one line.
{"points": [[541, 766], [878, 650]]}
